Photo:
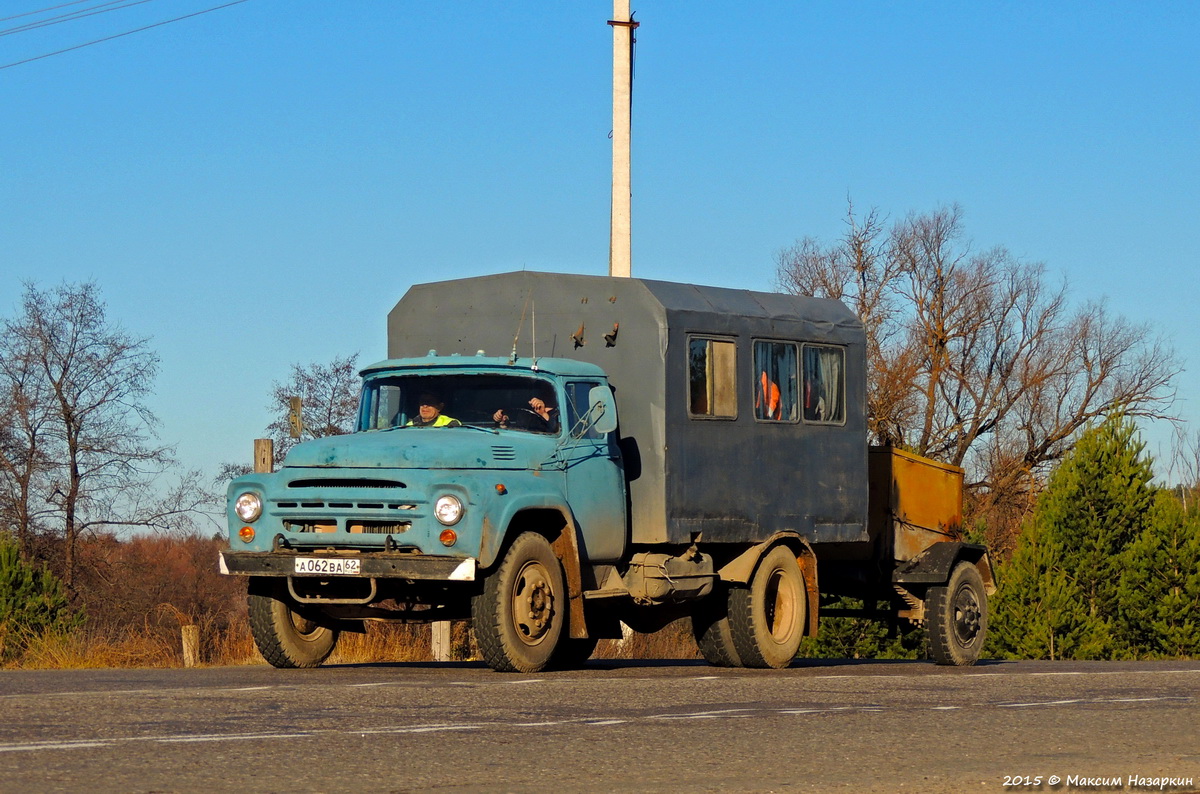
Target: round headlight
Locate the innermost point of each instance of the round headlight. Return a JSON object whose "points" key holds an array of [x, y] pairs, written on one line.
{"points": [[448, 509], [248, 506]]}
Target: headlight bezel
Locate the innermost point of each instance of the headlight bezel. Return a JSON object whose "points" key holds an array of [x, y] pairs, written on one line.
{"points": [[248, 506], [448, 509]]}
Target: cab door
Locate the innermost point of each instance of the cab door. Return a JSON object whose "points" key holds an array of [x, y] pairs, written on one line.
{"points": [[595, 477]]}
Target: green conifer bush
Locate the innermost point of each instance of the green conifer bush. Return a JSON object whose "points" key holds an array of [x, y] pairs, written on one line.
{"points": [[33, 602]]}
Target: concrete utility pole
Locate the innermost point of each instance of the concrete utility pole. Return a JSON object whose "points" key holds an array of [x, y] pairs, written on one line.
{"points": [[619, 245]]}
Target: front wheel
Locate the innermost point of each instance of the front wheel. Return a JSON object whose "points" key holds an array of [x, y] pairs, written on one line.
{"points": [[767, 618], [520, 615], [956, 617], [284, 637]]}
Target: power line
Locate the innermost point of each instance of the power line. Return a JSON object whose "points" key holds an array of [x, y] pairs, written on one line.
{"points": [[73, 15], [43, 10], [126, 33]]}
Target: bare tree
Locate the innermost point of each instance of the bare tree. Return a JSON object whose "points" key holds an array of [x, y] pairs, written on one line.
{"points": [[77, 385], [975, 357], [329, 396], [859, 271], [1184, 467], [25, 417]]}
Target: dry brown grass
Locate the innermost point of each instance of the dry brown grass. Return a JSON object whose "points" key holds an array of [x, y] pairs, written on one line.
{"points": [[136, 594], [384, 642], [225, 642], [673, 641], [94, 649]]}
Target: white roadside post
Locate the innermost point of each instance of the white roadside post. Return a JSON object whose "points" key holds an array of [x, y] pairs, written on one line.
{"points": [[440, 641]]}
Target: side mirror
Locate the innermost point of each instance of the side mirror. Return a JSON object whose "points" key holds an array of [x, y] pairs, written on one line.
{"points": [[602, 409]]}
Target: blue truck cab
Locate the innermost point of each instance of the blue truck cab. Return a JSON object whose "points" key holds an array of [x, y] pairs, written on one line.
{"points": [[411, 511]]}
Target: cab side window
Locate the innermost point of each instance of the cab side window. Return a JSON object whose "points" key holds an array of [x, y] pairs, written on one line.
{"points": [[579, 422]]}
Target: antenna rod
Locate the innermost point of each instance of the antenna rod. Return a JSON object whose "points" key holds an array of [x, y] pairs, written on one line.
{"points": [[619, 245]]}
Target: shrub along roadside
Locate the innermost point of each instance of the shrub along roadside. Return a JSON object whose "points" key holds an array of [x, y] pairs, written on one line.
{"points": [[1108, 567], [33, 604]]}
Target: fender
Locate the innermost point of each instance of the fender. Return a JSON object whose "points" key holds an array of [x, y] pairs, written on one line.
{"points": [[742, 567], [566, 547], [533, 512], [933, 566], [505, 509]]}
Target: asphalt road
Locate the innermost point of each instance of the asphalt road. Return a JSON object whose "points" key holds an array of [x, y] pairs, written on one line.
{"points": [[878, 727]]}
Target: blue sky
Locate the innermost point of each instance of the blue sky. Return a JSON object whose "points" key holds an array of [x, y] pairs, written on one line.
{"points": [[259, 185]]}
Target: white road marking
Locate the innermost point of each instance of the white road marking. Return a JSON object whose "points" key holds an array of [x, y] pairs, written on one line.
{"points": [[826, 710], [422, 729], [65, 745], [540, 724], [698, 714], [232, 737], [1144, 700], [567, 680], [731, 714]]}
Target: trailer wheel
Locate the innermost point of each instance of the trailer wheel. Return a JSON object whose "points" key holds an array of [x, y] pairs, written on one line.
{"points": [[710, 627], [956, 617], [284, 637], [767, 618], [520, 615]]}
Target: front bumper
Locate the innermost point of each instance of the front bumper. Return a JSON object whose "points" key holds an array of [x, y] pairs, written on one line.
{"points": [[374, 565]]}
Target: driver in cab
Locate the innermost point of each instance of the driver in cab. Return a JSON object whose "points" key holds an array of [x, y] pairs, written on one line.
{"points": [[429, 413]]}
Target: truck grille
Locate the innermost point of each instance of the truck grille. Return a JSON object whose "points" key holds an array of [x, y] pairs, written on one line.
{"points": [[346, 483], [339, 504], [321, 505], [354, 527]]}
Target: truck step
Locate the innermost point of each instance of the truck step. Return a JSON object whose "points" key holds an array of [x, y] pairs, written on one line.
{"points": [[609, 592]]}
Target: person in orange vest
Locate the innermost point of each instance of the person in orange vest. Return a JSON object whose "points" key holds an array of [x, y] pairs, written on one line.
{"points": [[429, 413], [770, 395]]}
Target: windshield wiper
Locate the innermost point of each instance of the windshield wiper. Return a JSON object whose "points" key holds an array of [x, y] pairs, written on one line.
{"points": [[491, 430]]}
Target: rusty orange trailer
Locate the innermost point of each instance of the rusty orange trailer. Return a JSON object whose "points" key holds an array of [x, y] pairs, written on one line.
{"points": [[915, 519]]}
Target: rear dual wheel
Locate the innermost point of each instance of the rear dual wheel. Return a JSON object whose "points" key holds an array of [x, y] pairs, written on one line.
{"points": [[767, 618], [760, 625], [710, 627]]}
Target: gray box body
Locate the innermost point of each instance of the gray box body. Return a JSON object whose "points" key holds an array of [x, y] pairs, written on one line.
{"points": [[734, 480]]}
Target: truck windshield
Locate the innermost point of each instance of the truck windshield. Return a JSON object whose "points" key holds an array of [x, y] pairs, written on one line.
{"points": [[394, 400]]}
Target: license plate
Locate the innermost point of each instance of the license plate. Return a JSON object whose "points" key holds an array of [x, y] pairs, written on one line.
{"points": [[334, 566]]}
